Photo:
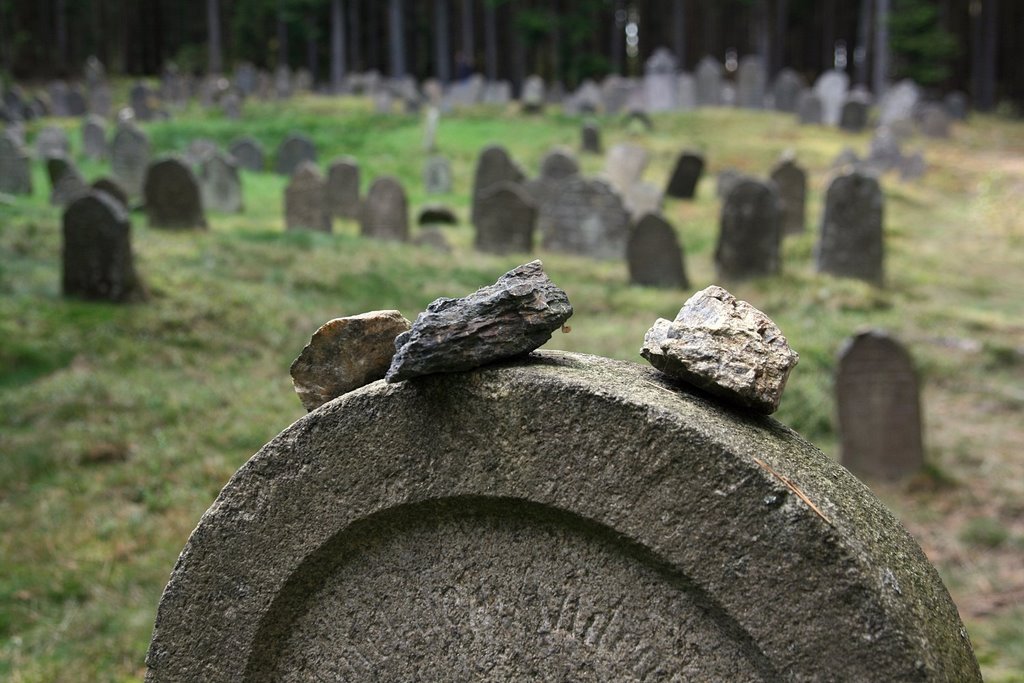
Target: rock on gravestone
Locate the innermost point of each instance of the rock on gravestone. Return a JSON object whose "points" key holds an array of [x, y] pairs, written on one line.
{"points": [[594, 523], [586, 218], [293, 151], [305, 200], [750, 234], [683, 182], [343, 188], [654, 255], [661, 81], [385, 213], [786, 89], [221, 185], [15, 167], [248, 153], [709, 82], [851, 243], [879, 408], [505, 220], [94, 138], [791, 182], [493, 166], [831, 87], [751, 82], [97, 251], [172, 196], [437, 175], [129, 157]]}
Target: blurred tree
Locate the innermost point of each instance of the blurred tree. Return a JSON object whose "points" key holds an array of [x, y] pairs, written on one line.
{"points": [[215, 49], [337, 45], [921, 48]]}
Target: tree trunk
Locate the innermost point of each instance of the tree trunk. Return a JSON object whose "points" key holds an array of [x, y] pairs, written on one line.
{"points": [[986, 100], [828, 34], [881, 57], [442, 56], [860, 53], [518, 49], [282, 35], [61, 29], [468, 48], [618, 37], [779, 44], [396, 38], [490, 42], [679, 31], [216, 56], [761, 39], [311, 47], [337, 45]]}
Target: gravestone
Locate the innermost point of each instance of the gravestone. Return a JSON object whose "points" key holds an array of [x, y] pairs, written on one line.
{"points": [[497, 93], [751, 83], [851, 243], [643, 198], [293, 151], [221, 185], [142, 102], [430, 123], [343, 188], [831, 87], [305, 200], [66, 183], [437, 175], [709, 82], [97, 251], [750, 233], [94, 71], [94, 138], [556, 167], [112, 189], [590, 139], [171, 195], [434, 238], [809, 109], [615, 92], [786, 90], [437, 214], [956, 105], [466, 93], [898, 103], [129, 157], [52, 142], [245, 78], [385, 214], [100, 100], [726, 180], [533, 95], [15, 166], [912, 166], [625, 165], [661, 81], [493, 166], [687, 92], [58, 96], [587, 218], [885, 151], [231, 105], [199, 150], [791, 183], [853, 117], [878, 401], [654, 255], [597, 523], [682, 184], [77, 104], [935, 121], [248, 153], [505, 220]]}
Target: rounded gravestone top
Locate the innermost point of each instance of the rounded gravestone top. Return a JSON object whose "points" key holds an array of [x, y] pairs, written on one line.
{"points": [[556, 517]]}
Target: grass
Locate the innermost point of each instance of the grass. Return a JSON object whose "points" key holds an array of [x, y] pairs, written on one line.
{"points": [[119, 424]]}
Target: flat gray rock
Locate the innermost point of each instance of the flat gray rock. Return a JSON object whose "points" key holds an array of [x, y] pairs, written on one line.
{"points": [[345, 354], [725, 347], [515, 315]]}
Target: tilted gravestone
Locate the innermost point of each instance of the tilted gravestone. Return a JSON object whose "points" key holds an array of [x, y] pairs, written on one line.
{"points": [[66, 183], [851, 242], [305, 200], [293, 151], [221, 184], [709, 82], [172, 197], [751, 83], [493, 166], [248, 153], [94, 138], [661, 81], [385, 213], [791, 182], [587, 218], [437, 175], [682, 184], [129, 157], [15, 166], [587, 521], [809, 109], [786, 90], [97, 251], [750, 233], [879, 408], [506, 220], [343, 188], [654, 255]]}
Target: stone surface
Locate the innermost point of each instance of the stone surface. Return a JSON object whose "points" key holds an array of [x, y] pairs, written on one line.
{"points": [[506, 220], [682, 184], [305, 200], [52, 142], [293, 151], [809, 109], [751, 83], [66, 183], [345, 354], [625, 165], [129, 158], [709, 82], [587, 218], [853, 116], [898, 103], [851, 242], [343, 188], [532, 97], [112, 189], [559, 517], [750, 233], [726, 180], [934, 121], [878, 401], [831, 87], [434, 238], [493, 166], [654, 255], [723, 346], [590, 139], [661, 81], [248, 153], [97, 251], [786, 90], [791, 184], [437, 175], [220, 183], [643, 198], [385, 213], [512, 317], [94, 138], [172, 196]]}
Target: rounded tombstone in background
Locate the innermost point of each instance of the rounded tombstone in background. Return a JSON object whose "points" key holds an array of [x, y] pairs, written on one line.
{"points": [[654, 255], [294, 150], [305, 200], [554, 517], [750, 232], [385, 212], [172, 195], [97, 251], [852, 241]]}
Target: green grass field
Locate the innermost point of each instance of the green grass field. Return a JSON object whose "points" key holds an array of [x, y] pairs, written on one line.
{"points": [[119, 424]]}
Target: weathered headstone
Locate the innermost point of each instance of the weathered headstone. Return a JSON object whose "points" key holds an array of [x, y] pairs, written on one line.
{"points": [[77, 104], [682, 184], [831, 87], [596, 523], [97, 251], [248, 153], [956, 105], [750, 234], [885, 151], [129, 157], [172, 197], [935, 121], [809, 109], [498, 93], [898, 103], [912, 166], [505, 220], [66, 183], [100, 100], [15, 166], [687, 92], [751, 83], [293, 151], [586, 218], [52, 142], [853, 116], [709, 82], [661, 81], [625, 165], [791, 183], [385, 213], [726, 180], [94, 138], [878, 401], [437, 175], [615, 92], [590, 138], [851, 243], [654, 255], [786, 90], [643, 198], [143, 102], [112, 189], [533, 95], [493, 166], [221, 185], [305, 200], [343, 188]]}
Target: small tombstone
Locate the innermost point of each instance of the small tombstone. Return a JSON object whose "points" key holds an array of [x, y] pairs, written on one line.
{"points": [[687, 92], [231, 105], [58, 92], [831, 87], [498, 93], [97, 251], [643, 198], [343, 188], [77, 105], [878, 401], [615, 92], [654, 255], [853, 117], [899, 102], [505, 220], [587, 218], [305, 200], [66, 183], [221, 185], [533, 95], [248, 153], [100, 100], [52, 142], [791, 182], [661, 81], [293, 151], [129, 157], [912, 166], [709, 82], [625, 165], [94, 138], [751, 83], [95, 73], [935, 121], [726, 180], [556, 166], [437, 175], [493, 166], [590, 138], [956, 105], [142, 102], [750, 233], [112, 189], [809, 109], [15, 166], [437, 214], [172, 197], [385, 213], [682, 184], [885, 152], [851, 243], [786, 90]]}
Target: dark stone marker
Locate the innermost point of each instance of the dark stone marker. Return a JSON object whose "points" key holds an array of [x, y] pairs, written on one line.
{"points": [[221, 184], [248, 153], [590, 139], [94, 138], [293, 151], [305, 200], [853, 116], [809, 108], [493, 166], [791, 182], [113, 189], [505, 220], [787, 88], [587, 218], [750, 235], [15, 167], [437, 214], [97, 251], [879, 408], [654, 254], [956, 105], [595, 524], [851, 242], [66, 183], [343, 188], [683, 182], [385, 214], [171, 195], [129, 158], [558, 164]]}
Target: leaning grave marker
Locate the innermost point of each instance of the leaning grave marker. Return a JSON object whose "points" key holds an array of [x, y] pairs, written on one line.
{"points": [[97, 251], [654, 255]]}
